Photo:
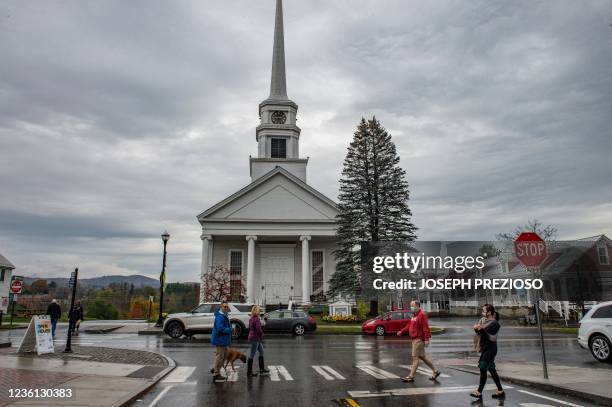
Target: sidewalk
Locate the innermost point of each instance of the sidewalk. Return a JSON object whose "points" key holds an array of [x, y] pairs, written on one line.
{"points": [[96, 376], [586, 383]]}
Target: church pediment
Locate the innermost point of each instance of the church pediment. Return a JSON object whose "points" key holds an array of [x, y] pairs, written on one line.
{"points": [[278, 195]]}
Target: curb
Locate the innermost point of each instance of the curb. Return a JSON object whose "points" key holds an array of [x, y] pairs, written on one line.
{"points": [[593, 398], [150, 383], [101, 330], [151, 332]]}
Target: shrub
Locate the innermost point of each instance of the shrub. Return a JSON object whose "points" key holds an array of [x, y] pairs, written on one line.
{"points": [[102, 310], [342, 318]]}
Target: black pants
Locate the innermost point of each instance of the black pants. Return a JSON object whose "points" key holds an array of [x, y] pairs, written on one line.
{"points": [[483, 379]]}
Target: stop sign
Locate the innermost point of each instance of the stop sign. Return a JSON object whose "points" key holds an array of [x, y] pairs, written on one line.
{"points": [[530, 249], [16, 286]]}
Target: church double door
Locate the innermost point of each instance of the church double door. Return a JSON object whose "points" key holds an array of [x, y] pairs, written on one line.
{"points": [[277, 271]]}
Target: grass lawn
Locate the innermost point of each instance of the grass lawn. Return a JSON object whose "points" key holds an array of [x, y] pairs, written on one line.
{"points": [[563, 330], [335, 328]]}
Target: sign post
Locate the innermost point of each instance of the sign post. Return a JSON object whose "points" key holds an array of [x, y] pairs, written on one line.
{"points": [[531, 251], [72, 283], [16, 288]]}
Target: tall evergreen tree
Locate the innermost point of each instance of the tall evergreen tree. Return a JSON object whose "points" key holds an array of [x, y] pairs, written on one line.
{"points": [[373, 202]]}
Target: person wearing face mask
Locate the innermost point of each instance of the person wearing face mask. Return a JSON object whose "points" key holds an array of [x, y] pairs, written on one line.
{"points": [[487, 331], [221, 338], [418, 329]]}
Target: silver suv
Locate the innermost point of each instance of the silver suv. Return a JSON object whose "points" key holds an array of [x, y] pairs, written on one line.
{"points": [[202, 318]]}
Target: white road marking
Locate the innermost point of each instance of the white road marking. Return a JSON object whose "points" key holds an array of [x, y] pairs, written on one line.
{"points": [[327, 372], [567, 403], [232, 376], [277, 371], [377, 372], [179, 374], [410, 391], [424, 371], [160, 396]]}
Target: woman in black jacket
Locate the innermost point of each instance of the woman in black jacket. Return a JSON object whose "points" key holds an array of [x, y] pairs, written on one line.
{"points": [[488, 330]]}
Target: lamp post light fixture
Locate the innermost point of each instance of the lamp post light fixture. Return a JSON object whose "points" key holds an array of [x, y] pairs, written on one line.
{"points": [[162, 281]]}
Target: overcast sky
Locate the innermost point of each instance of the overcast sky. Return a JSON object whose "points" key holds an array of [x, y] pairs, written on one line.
{"points": [[121, 119]]}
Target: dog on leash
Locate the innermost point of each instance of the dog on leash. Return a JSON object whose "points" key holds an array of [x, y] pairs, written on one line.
{"points": [[230, 357]]}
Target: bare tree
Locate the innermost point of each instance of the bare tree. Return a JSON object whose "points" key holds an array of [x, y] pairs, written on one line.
{"points": [[220, 285], [548, 232]]}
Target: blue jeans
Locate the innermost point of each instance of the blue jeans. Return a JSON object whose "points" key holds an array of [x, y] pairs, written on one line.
{"points": [[256, 347], [53, 325]]}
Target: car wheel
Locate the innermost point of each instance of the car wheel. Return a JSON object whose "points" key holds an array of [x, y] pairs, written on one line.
{"points": [[380, 330], [175, 329], [600, 348], [237, 330], [299, 329]]}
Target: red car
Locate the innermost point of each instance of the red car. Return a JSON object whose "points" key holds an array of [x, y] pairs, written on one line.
{"points": [[387, 323]]}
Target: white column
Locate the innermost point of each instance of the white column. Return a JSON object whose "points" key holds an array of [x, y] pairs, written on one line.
{"points": [[204, 267], [306, 271], [250, 292]]}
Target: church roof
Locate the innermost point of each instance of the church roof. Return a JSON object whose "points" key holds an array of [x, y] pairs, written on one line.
{"points": [[5, 263], [278, 84], [261, 180]]}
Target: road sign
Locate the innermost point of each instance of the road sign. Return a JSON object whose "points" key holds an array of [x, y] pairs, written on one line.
{"points": [[530, 249], [16, 286]]}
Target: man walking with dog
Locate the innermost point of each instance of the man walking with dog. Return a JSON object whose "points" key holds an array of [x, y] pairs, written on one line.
{"points": [[418, 329], [221, 338]]}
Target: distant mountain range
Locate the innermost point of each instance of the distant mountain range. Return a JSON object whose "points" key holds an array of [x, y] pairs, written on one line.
{"points": [[137, 280]]}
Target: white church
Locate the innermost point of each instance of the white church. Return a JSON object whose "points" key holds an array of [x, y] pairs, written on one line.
{"points": [[278, 232]]}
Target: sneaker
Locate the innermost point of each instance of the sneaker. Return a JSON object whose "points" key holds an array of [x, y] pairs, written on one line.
{"points": [[477, 396], [499, 395], [219, 378]]}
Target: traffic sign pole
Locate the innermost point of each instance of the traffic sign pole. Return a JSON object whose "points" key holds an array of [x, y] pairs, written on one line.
{"points": [[531, 251], [542, 347]]}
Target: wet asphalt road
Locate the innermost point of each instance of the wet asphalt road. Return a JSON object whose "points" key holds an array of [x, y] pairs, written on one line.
{"points": [[316, 370]]}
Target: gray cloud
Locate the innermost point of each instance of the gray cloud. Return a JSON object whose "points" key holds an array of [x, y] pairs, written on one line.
{"points": [[119, 120]]}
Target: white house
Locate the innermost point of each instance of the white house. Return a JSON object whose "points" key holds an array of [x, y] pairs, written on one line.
{"points": [[6, 269], [278, 232]]}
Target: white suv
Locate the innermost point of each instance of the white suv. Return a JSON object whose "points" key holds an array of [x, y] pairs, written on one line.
{"points": [[595, 331], [202, 318]]}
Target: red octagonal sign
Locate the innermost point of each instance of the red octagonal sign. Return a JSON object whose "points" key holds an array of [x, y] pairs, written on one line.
{"points": [[530, 249], [16, 286]]}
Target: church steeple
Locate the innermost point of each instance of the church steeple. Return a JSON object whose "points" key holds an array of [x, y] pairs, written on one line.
{"points": [[277, 135], [278, 84]]}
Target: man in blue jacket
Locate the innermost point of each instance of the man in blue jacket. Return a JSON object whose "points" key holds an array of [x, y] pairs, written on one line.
{"points": [[221, 338]]}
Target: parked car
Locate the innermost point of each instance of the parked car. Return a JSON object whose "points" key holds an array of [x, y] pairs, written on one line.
{"points": [[387, 323], [285, 320], [595, 333], [202, 318]]}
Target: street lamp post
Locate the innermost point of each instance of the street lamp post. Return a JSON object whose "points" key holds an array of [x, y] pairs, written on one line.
{"points": [[162, 279]]}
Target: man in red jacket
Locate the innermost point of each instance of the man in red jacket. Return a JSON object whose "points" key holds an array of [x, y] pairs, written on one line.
{"points": [[418, 330]]}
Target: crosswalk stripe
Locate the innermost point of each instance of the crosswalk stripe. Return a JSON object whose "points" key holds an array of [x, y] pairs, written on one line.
{"points": [[232, 376], [423, 371], [179, 374], [277, 371], [327, 372], [410, 391], [567, 403], [377, 372]]}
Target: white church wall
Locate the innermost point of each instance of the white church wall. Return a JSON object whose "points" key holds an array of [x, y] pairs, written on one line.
{"points": [[260, 168]]}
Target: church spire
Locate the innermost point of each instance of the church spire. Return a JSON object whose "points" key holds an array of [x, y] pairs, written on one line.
{"points": [[278, 85]]}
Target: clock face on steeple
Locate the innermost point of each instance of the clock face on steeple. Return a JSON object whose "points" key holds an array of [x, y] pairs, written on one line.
{"points": [[278, 117]]}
